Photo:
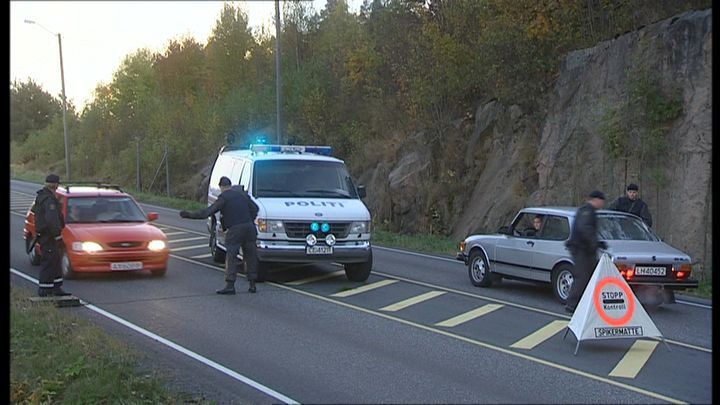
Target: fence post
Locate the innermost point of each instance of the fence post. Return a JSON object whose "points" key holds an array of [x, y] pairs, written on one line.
{"points": [[167, 169], [137, 166]]}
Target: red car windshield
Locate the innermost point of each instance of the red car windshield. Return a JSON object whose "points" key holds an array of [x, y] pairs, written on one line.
{"points": [[102, 210]]}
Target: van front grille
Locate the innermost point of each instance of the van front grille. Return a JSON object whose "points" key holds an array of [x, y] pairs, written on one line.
{"points": [[302, 229]]}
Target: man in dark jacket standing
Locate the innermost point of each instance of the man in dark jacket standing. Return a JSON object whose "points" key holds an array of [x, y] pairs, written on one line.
{"points": [[237, 218], [49, 224], [583, 245], [632, 204]]}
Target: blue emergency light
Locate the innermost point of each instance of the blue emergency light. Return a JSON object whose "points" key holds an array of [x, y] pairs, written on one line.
{"points": [[318, 150], [314, 227]]}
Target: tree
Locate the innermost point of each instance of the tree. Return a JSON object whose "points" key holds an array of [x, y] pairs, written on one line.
{"points": [[31, 109]]}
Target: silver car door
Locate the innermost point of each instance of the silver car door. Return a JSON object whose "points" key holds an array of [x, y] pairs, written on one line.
{"points": [[513, 254], [550, 246]]}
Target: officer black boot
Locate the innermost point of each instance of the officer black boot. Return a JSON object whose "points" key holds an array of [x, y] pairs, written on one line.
{"points": [[229, 289], [252, 288], [58, 291]]}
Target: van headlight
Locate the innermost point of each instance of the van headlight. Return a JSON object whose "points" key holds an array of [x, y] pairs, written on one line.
{"points": [[360, 227], [156, 245], [88, 247], [270, 225]]}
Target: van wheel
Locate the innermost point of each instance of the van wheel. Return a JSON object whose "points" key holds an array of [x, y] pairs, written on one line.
{"points": [[67, 270], [562, 280], [218, 254], [479, 270], [33, 255], [359, 271]]}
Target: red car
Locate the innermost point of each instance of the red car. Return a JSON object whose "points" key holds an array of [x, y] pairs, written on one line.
{"points": [[105, 231]]}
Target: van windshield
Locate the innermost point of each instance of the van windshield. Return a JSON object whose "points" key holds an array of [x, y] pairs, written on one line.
{"points": [[302, 178]]}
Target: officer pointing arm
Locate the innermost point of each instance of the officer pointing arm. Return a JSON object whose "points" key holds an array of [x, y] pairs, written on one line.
{"points": [[237, 216]]}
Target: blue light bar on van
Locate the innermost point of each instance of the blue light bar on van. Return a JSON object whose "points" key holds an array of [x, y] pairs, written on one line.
{"points": [[318, 150]]}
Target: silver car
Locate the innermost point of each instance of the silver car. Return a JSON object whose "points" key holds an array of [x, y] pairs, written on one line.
{"points": [[533, 248]]}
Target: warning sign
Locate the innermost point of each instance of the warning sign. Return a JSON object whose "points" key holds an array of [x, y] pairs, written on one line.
{"points": [[608, 308]]}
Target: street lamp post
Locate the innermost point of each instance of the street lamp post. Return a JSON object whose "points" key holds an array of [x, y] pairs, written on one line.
{"points": [[278, 77], [62, 80]]}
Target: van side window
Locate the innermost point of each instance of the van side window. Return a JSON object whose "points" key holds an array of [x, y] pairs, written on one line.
{"points": [[245, 177]]}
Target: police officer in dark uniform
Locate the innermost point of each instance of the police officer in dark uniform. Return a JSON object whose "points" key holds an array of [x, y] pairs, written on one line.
{"points": [[49, 223], [633, 204], [583, 245], [237, 218]]}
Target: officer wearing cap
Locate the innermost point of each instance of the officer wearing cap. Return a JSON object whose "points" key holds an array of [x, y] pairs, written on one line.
{"points": [[631, 203], [583, 245], [49, 223], [237, 218]]}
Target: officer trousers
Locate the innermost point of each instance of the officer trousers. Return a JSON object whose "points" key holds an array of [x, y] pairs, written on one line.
{"points": [[241, 236], [51, 264], [583, 269]]}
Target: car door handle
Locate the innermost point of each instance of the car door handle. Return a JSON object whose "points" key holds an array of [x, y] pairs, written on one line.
{"points": [[531, 243]]}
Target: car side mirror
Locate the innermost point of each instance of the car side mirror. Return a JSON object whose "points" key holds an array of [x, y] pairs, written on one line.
{"points": [[361, 191], [505, 230], [152, 216]]}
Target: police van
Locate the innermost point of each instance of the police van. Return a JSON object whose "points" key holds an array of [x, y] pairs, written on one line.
{"points": [[310, 209]]}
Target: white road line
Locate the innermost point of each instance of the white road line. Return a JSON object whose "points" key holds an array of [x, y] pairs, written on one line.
{"points": [[412, 301], [469, 316], [364, 288], [173, 233], [317, 278], [418, 254], [252, 383], [187, 239], [188, 248], [694, 304], [202, 256]]}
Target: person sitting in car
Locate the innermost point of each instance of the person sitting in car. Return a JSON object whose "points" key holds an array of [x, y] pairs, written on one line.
{"points": [[535, 229]]}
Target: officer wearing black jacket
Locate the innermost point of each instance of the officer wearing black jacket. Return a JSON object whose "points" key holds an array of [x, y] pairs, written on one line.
{"points": [[632, 204], [237, 218], [49, 224], [583, 245]]}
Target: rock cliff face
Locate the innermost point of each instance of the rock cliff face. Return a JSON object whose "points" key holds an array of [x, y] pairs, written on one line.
{"points": [[502, 159]]}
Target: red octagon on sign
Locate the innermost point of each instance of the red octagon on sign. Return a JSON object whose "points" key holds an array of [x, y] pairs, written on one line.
{"points": [[630, 300]]}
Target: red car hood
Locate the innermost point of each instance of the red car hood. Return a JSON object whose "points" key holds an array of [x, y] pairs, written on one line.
{"points": [[112, 232]]}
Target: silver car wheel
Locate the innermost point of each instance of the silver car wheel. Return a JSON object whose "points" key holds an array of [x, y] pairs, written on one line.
{"points": [[478, 269], [564, 282]]}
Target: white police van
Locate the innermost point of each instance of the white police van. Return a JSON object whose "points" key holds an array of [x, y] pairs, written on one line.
{"points": [[310, 210]]}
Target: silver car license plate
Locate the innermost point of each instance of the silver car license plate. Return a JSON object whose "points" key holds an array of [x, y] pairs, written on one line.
{"points": [[650, 271], [319, 250], [120, 266]]}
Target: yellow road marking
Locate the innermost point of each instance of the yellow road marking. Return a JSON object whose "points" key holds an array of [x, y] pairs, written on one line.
{"points": [[364, 288], [317, 278], [540, 335], [469, 316], [187, 239], [412, 301], [634, 360]]}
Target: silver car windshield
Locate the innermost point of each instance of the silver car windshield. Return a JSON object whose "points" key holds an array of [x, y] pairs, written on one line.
{"points": [[622, 227]]}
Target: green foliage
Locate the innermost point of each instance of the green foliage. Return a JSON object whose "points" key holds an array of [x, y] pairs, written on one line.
{"points": [[397, 67]]}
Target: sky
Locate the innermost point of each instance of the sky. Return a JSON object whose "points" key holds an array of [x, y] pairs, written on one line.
{"points": [[97, 35]]}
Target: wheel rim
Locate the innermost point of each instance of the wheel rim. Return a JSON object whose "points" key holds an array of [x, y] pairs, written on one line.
{"points": [[33, 255], [213, 244], [478, 269], [65, 265], [564, 282]]}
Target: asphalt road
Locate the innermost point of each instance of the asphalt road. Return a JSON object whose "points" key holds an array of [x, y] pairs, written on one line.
{"points": [[306, 337]]}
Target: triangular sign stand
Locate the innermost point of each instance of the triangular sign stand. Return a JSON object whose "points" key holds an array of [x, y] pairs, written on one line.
{"points": [[608, 309]]}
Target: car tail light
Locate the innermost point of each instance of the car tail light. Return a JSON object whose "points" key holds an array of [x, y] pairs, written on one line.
{"points": [[626, 271], [683, 271]]}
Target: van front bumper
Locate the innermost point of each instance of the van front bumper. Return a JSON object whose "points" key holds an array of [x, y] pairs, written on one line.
{"points": [[295, 252]]}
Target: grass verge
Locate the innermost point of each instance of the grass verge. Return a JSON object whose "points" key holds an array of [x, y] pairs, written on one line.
{"points": [[56, 357]]}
